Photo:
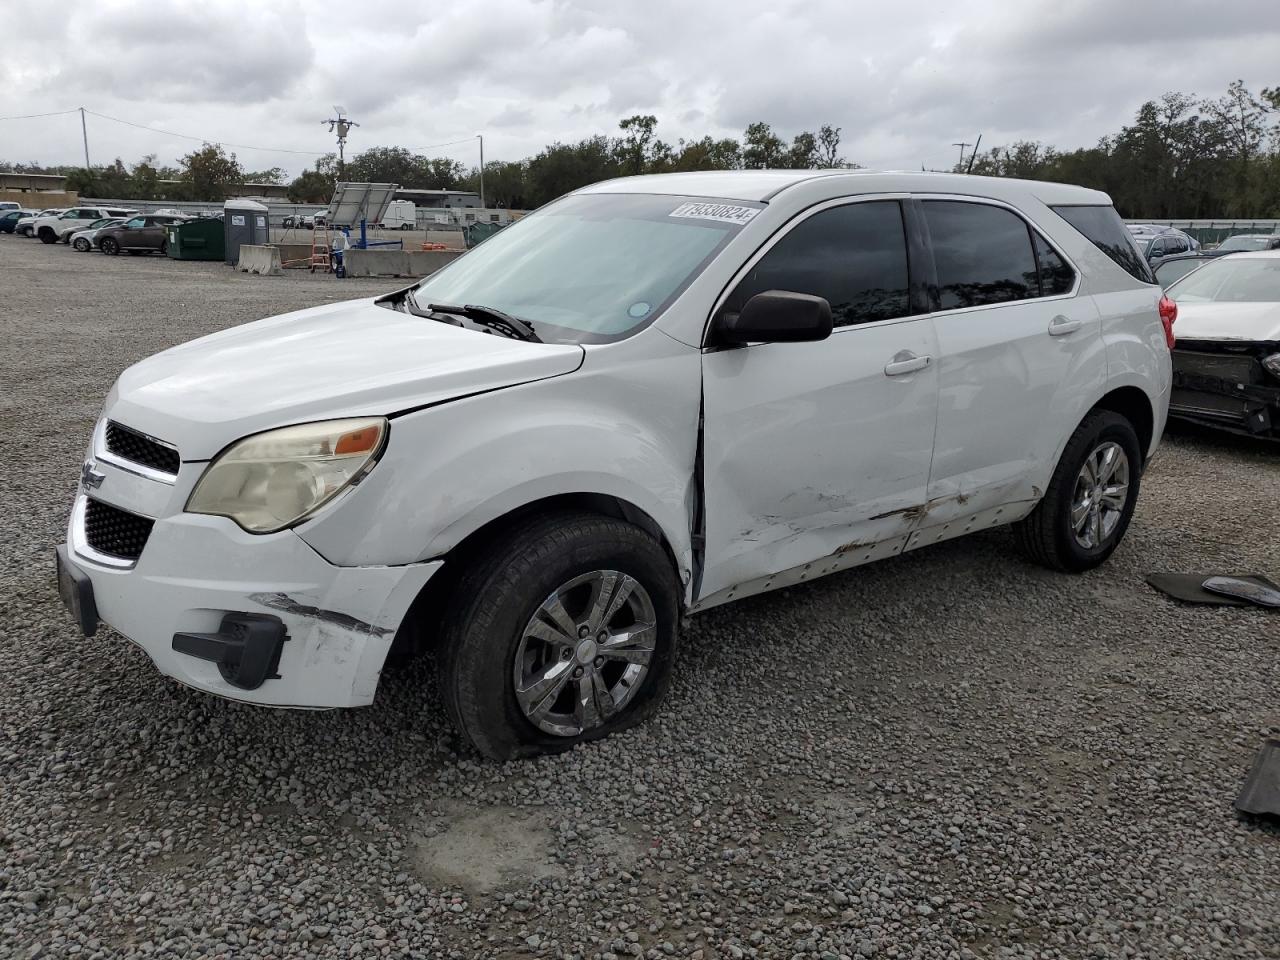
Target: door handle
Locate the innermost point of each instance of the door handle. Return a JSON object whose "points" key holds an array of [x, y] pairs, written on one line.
{"points": [[903, 362], [1060, 326]]}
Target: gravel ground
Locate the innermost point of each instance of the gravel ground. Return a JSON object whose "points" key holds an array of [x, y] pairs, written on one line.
{"points": [[950, 754]]}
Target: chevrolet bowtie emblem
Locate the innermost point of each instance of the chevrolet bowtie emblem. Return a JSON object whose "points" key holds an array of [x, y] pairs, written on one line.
{"points": [[89, 477]]}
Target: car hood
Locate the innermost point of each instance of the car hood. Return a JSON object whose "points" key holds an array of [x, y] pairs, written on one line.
{"points": [[1228, 321], [341, 360]]}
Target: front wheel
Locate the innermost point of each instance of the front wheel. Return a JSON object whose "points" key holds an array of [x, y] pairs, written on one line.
{"points": [[81, 244], [109, 247], [562, 632], [1090, 500]]}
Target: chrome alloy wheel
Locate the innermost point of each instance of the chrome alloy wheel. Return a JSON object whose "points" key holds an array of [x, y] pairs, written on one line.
{"points": [[1102, 489], [585, 652]]}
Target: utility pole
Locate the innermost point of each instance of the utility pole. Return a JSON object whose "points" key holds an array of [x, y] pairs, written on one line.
{"points": [[84, 130], [342, 126], [480, 137], [962, 145]]}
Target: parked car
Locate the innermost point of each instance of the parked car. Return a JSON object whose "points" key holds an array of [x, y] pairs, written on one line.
{"points": [[1157, 242], [9, 219], [6, 205], [648, 398], [301, 221], [1226, 365], [25, 225], [52, 228], [143, 234], [85, 240], [1248, 241], [169, 212], [1171, 269]]}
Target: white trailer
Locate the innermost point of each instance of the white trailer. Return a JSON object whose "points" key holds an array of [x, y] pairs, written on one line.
{"points": [[400, 215]]}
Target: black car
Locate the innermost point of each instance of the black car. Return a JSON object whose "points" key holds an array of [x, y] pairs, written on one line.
{"points": [[9, 219], [1172, 269]]}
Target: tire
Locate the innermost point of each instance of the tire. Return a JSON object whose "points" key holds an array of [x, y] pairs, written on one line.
{"points": [[496, 599], [1048, 535], [405, 226], [48, 236], [81, 244], [110, 247]]}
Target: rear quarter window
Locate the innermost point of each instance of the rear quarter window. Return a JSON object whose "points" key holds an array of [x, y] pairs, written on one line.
{"points": [[1102, 227]]}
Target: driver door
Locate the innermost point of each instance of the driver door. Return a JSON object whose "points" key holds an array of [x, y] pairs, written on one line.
{"points": [[816, 455]]}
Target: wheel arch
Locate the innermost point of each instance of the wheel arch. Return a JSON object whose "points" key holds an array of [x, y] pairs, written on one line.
{"points": [[418, 631], [1134, 405]]}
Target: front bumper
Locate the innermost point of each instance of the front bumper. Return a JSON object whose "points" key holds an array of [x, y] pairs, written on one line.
{"points": [[1224, 386], [195, 570]]}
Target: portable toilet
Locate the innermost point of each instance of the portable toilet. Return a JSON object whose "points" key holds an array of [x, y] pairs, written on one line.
{"points": [[244, 221]]}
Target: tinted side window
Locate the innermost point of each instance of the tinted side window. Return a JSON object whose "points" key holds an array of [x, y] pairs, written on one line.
{"points": [[982, 254], [1103, 228], [854, 256], [1056, 277]]}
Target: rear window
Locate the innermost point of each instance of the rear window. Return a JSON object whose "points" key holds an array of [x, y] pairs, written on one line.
{"points": [[1103, 228]]}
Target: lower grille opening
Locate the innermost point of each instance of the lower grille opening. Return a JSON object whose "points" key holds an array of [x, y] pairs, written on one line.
{"points": [[115, 532]]}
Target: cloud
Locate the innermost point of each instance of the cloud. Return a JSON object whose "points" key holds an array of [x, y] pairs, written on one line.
{"points": [[903, 81]]}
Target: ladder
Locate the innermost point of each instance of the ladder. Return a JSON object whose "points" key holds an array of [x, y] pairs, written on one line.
{"points": [[320, 248]]}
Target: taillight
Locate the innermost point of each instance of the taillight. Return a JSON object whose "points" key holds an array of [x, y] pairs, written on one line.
{"points": [[1168, 315]]}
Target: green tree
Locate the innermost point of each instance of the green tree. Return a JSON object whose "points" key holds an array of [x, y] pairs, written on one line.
{"points": [[562, 167], [633, 149], [276, 175], [211, 173], [311, 186], [762, 149]]}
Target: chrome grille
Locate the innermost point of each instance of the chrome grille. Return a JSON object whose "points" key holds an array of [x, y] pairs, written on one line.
{"points": [[136, 447]]}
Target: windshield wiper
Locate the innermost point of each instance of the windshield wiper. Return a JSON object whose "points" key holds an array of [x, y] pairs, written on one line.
{"points": [[490, 317]]}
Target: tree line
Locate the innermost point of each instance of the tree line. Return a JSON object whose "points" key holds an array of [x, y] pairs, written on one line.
{"points": [[1182, 156]]}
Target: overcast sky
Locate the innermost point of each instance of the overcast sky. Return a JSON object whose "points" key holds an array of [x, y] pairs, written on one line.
{"points": [[904, 79]]}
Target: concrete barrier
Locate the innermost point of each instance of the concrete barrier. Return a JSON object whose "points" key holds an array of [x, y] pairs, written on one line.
{"points": [[260, 260], [293, 251], [396, 263]]}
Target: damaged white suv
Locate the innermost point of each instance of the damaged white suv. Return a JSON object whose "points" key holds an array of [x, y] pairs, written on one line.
{"points": [[650, 397]]}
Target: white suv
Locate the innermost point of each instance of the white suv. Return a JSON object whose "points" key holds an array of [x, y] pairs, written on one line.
{"points": [[61, 225], [650, 397]]}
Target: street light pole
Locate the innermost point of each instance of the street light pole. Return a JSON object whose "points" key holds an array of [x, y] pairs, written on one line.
{"points": [[480, 137], [84, 130]]}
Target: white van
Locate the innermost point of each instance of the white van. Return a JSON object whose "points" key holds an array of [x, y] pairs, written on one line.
{"points": [[650, 397], [400, 215]]}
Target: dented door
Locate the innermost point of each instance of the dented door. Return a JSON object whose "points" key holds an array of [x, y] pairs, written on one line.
{"points": [[814, 450]]}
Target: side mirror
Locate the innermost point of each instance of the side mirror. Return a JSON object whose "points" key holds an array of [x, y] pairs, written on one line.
{"points": [[777, 316]]}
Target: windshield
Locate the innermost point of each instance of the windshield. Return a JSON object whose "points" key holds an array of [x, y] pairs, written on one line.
{"points": [[1245, 243], [591, 268], [1231, 280]]}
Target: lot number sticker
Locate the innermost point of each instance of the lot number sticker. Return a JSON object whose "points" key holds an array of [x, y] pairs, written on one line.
{"points": [[724, 212]]}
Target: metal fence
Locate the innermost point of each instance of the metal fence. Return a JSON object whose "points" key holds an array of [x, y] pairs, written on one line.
{"points": [[1212, 232], [429, 218]]}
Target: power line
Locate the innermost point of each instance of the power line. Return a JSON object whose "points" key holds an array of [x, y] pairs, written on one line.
{"points": [[220, 143], [447, 143], [32, 116]]}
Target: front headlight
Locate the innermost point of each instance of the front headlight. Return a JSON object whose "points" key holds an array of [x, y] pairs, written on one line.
{"points": [[273, 480], [1272, 364]]}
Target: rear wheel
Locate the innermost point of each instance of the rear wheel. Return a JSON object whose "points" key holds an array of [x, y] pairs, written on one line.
{"points": [[48, 236], [1086, 510], [562, 632], [109, 246]]}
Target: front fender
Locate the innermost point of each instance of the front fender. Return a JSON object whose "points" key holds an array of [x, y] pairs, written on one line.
{"points": [[624, 425]]}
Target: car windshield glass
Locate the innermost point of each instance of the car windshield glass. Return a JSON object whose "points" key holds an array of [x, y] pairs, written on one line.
{"points": [[100, 223], [1244, 243], [1243, 280], [592, 268]]}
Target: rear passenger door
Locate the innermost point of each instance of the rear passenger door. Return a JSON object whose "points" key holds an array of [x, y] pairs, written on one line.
{"points": [[1020, 357]]}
